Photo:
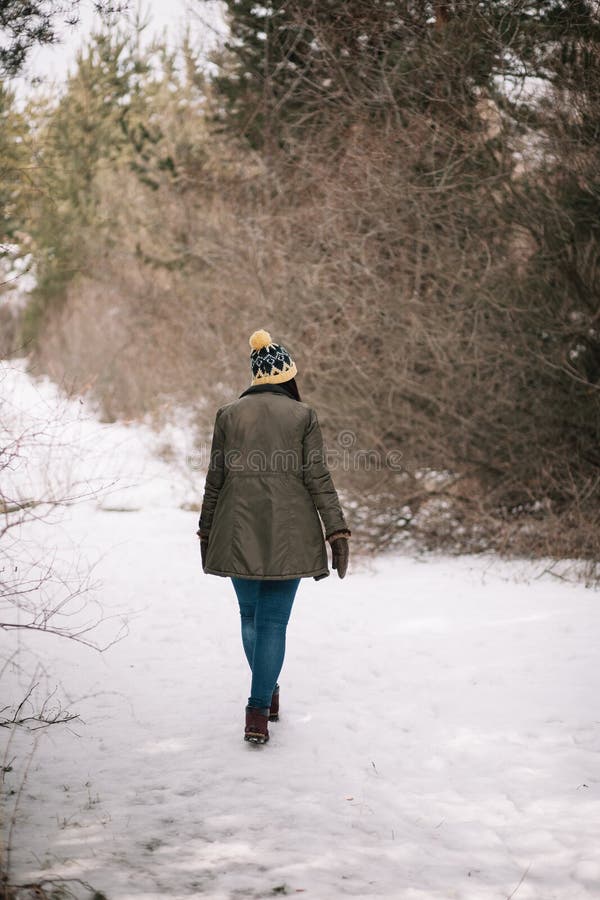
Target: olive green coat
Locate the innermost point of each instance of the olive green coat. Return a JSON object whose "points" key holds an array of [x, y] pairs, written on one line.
{"points": [[266, 486]]}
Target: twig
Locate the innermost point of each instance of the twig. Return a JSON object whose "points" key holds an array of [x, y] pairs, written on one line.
{"points": [[521, 880]]}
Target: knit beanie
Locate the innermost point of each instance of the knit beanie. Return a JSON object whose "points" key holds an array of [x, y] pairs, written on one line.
{"points": [[271, 363]]}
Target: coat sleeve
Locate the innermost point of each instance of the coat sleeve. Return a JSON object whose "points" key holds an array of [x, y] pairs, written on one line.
{"points": [[317, 479], [214, 477]]}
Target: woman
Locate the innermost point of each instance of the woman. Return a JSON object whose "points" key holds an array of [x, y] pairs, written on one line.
{"points": [[266, 486]]}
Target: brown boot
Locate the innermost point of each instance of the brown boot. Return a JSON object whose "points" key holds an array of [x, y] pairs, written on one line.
{"points": [[257, 725], [274, 711]]}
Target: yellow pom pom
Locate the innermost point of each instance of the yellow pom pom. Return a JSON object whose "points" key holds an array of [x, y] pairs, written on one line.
{"points": [[260, 339]]}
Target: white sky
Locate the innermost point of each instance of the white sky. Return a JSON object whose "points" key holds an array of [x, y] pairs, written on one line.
{"points": [[51, 64]]}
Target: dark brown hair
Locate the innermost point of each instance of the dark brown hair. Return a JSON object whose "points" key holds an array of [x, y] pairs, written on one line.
{"points": [[292, 388]]}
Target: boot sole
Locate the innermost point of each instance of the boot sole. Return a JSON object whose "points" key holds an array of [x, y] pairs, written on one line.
{"points": [[254, 738], [274, 717]]}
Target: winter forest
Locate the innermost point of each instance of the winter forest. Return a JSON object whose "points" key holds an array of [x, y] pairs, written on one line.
{"points": [[407, 196]]}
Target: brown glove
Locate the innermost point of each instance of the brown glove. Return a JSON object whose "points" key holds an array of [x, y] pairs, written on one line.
{"points": [[340, 552], [203, 547]]}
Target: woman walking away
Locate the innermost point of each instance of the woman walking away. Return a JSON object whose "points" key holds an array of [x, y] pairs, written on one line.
{"points": [[267, 485]]}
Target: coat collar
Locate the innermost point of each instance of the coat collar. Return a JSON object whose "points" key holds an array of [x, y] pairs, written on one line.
{"points": [[266, 388]]}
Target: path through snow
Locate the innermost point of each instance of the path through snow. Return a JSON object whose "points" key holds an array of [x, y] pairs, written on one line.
{"points": [[439, 737]]}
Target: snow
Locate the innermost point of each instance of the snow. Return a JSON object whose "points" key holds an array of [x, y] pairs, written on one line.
{"points": [[439, 735], [17, 275], [66, 453]]}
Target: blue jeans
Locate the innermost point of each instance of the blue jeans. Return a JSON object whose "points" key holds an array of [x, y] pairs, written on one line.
{"points": [[265, 608]]}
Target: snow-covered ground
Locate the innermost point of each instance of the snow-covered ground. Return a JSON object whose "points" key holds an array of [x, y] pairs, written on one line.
{"points": [[439, 737]]}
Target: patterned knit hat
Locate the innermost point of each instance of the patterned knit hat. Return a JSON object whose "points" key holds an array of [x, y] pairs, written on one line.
{"points": [[271, 363]]}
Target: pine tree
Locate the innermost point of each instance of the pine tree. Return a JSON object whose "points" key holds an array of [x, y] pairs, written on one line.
{"points": [[15, 169], [24, 26], [267, 61], [100, 120]]}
